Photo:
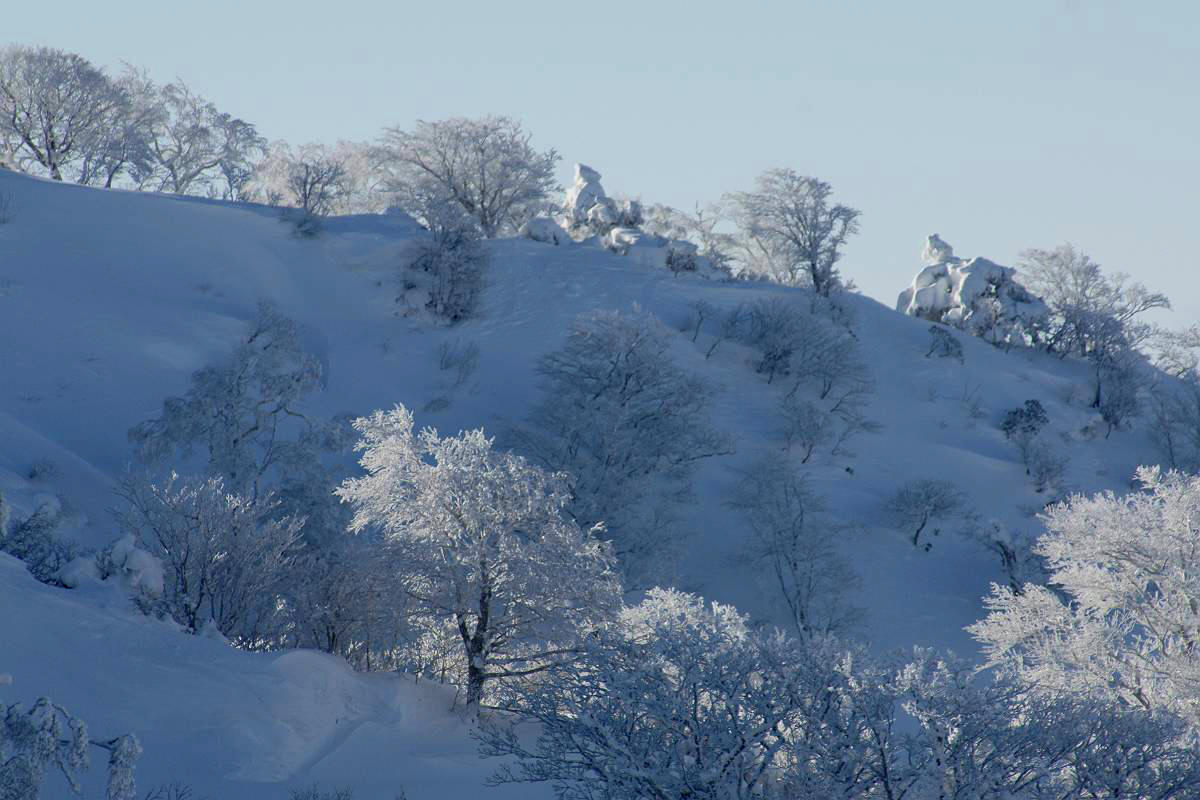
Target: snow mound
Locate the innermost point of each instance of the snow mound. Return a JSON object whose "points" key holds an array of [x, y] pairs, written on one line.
{"points": [[975, 295], [544, 229]]}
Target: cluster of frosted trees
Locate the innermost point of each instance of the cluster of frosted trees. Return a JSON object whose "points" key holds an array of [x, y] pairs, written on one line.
{"points": [[65, 118]]}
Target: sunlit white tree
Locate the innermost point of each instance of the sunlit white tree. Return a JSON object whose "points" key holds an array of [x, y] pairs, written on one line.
{"points": [[480, 540]]}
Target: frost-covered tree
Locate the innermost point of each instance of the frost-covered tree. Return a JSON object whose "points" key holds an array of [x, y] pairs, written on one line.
{"points": [[46, 737], [121, 146], [246, 412], [677, 700], [995, 741], [1094, 316], [1122, 619], [919, 502], [54, 105], [198, 149], [1092, 313], [680, 700], [480, 539], [790, 225], [701, 228], [226, 561], [797, 543], [487, 166], [629, 425]]}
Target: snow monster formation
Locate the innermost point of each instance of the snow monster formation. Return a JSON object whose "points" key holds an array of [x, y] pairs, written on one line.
{"points": [[590, 216], [978, 296]]}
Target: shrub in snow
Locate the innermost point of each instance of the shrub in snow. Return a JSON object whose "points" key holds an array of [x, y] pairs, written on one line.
{"points": [[1121, 621], [790, 231], [33, 540], [226, 562], [136, 568], [445, 275], [797, 543], [48, 737], [919, 502], [628, 425], [976, 295], [480, 540], [485, 167], [1023, 424], [943, 344], [1023, 427]]}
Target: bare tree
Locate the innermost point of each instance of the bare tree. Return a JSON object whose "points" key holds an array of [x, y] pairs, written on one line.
{"points": [[919, 502], [794, 539], [789, 223], [316, 179], [629, 425], [225, 561], [53, 104], [487, 166]]}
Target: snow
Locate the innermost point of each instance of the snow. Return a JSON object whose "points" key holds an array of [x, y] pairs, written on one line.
{"points": [[111, 299], [583, 195], [232, 724], [976, 294], [544, 229]]}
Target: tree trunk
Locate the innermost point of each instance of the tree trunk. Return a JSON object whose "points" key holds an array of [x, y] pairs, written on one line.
{"points": [[475, 679]]}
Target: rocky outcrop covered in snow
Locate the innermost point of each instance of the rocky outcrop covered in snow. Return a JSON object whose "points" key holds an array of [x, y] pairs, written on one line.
{"points": [[975, 295]]}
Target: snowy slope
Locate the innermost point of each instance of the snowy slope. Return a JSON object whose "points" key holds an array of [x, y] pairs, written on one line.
{"points": [[109, 301], [232, 724]]}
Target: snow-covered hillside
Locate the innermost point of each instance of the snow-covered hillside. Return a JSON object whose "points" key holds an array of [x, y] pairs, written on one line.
{"points": [[110, 300]]}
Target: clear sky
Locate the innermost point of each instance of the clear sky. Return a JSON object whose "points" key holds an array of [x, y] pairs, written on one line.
{"points": [[999, 125]]}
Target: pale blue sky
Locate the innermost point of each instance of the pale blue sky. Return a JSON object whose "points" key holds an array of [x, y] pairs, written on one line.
{"points": [[1001, 125]]}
